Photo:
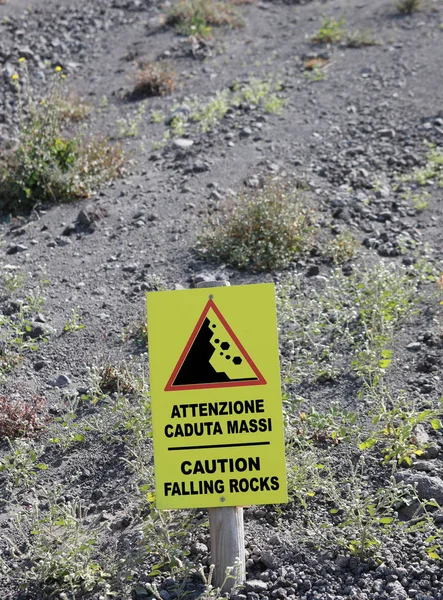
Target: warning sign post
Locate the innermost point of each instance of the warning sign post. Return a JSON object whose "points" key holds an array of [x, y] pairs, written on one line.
{"points": [[216, 405], [216, 400]]}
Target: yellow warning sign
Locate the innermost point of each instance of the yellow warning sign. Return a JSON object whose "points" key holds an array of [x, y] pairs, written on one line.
{"points": [[216, 400]]}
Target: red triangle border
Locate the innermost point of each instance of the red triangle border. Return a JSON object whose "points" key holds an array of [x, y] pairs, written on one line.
{"points": [[223, 384]]}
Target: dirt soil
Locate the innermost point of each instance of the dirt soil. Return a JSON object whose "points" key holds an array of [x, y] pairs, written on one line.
{"points": [[348, 136]]}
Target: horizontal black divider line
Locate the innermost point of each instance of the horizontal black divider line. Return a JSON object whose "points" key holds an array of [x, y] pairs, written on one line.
{"points": [[220, 446]]}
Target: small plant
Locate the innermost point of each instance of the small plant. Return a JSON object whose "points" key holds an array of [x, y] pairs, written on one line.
{"points": [[357, 314], [49, 165], [407, 7], [317, 73], [195, 17], [330, 32], [127, 128], [11, 282], [157, 116], [73, 108], [116, 380], [263, 231], [341, 248], [432, 172], [364, 521], [324, 428], [75, 323], [315, 63], [419, 201], [154, 79], [19, 418], [359, 38], [397, 430], [59, 547], [68, 429], [21, 464]]}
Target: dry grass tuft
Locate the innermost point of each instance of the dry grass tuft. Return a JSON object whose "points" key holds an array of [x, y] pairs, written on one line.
{"points": [[197, 16], [154, 79], [315, 63], [407, 7], [264, 230]]}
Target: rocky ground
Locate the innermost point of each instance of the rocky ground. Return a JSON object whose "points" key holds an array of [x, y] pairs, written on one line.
{"points": [[355, 132]]}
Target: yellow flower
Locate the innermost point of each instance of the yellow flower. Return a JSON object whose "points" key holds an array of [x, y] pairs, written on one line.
{"points": [[22, 59], [58, 69], [42, 102], [14, 77]]}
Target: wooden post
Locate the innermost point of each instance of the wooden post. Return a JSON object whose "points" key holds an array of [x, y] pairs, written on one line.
{"points": [[227, 531]]}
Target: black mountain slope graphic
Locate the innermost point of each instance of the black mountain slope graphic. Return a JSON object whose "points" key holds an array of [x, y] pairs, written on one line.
{"points": [[196, 368]]}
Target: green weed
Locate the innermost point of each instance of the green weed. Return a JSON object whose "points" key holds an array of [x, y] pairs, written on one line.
{"points": [[128, 127], [59, 547], [432, 172], [204, 115], [341, 248], [50, 165], [265, 230], [364, 521], [157, 116], [407, 7], [75, 322], [358, 38], [359, 314], [195, 17], [20, 466], [396, 430], [331, 427], [330, 32]]}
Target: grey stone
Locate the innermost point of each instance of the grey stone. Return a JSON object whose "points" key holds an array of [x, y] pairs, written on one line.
{"points": [[255, 585], [16, 248], [130, 267], [39, 365], [269, 559], [396, 591], [61, 381], [342, 561], [423, 465], [413, 347], [431, 451], [183, 143], [39, 330], [245, 132], [427, 487], [421, 436], [199, 548], [90, 214]]}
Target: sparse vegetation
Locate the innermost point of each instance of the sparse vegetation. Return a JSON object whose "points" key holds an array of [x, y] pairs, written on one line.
{"points": [[358, 38], [51, 165], [360, 325], [341, 248], [19, 418], [261, 231], [202, 115], [358, 315], [154, 79], [75, 322], [330, 32], [128, 127], [195, 17], [407, 7]]}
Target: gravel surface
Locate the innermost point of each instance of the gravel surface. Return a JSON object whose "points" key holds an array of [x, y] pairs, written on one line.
{"points": [[350, 137]]}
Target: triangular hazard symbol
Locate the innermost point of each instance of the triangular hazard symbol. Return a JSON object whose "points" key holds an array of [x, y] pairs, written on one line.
{"points": [[213, 357]]}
